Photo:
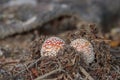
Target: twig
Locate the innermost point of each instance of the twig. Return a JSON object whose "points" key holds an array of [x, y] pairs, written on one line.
{"points": [[48, 74], [9, 62], [117, 70], [78, 77], [102, 40], [115, 53], [85, 73], [69, 77], [29, 72], [29, 66], [49, 79]]}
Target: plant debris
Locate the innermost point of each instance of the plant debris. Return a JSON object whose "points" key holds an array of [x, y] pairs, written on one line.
{"points": [[27, 34], [68, 64]]}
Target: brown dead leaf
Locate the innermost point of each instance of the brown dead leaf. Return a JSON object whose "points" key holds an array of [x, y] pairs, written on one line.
{"points": [[34, 71], [114, 43]]}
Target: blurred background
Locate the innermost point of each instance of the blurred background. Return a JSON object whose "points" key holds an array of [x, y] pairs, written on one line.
{"points": [[52, 17]]}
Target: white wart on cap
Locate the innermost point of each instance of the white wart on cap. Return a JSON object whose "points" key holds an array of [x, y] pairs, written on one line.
{"points": [[86, 48], [51, 46]]}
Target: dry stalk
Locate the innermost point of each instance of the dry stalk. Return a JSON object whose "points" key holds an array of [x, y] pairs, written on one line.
{"points": [[48, 74], [85, 73]]}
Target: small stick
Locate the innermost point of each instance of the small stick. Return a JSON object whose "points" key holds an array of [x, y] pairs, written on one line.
{"points": [[29, 72], [85, 73], [9, 62], [48, 74], [29, 66]]}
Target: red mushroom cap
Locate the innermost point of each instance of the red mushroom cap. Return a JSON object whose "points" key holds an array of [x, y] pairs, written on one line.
{"points": [[51, 46]]}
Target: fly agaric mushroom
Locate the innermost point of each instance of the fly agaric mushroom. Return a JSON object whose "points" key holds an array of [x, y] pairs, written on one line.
{"points": [[51, 46], [86, 48]]}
